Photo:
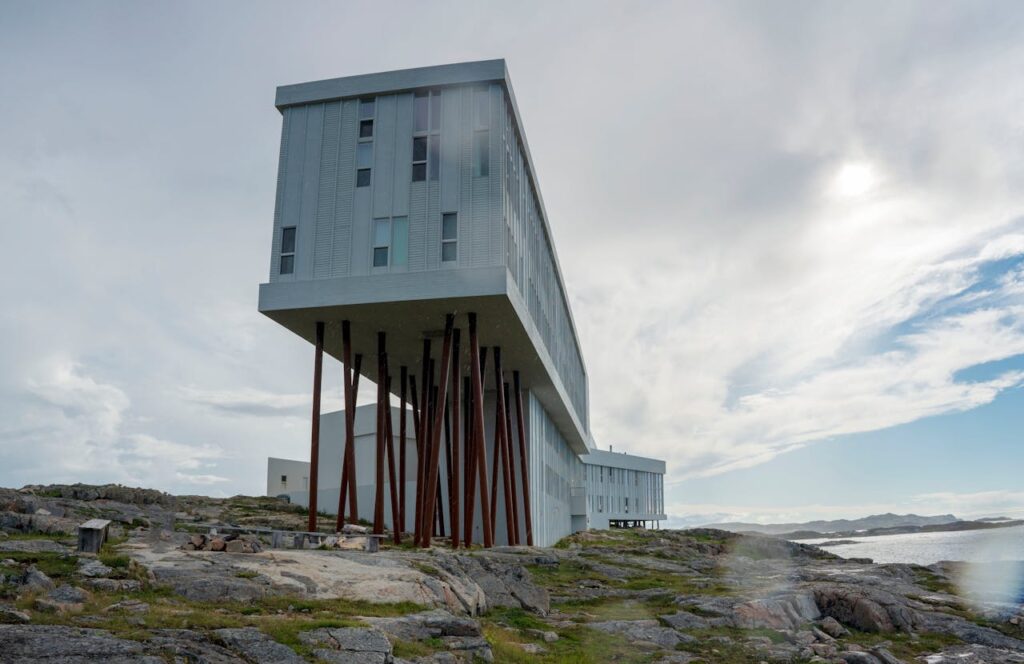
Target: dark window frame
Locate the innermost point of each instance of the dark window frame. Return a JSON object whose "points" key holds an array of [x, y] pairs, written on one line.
{"points": [[286, 264]]}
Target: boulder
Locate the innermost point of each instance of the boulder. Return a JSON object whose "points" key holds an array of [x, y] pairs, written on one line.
{"points": [[831, 626], [54, 643], [235, 546], [129, 606], [198, 541], [355, 645], [92, 568], [257, 646], [218, 544], [10, 615], [114, 585], [644, 631], [64, 599], [685, 620], [857, 657], [425, 625], [33, 579]]}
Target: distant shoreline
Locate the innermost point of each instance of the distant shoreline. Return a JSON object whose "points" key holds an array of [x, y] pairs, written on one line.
{"points": [[955, 526]]}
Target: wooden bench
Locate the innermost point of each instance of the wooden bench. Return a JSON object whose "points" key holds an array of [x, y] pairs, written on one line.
{"points": [[92, 534]]}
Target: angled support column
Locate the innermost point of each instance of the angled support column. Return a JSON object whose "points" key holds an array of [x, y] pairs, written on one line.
{"points": [[350, 415], [421, 437], [389, 442], [314, 443], [510, 459], [469, 466], [419, 453], [524, 464], [478, 429], [501, 448], [454, 466], [378, 502], [347, 471], [435, 429], [403, 387]]}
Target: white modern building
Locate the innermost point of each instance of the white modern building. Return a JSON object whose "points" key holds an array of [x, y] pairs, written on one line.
{"points": [[409, 229]]}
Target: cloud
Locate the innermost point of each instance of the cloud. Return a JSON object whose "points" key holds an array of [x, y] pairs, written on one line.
{"points": [[259, 403], [78, 428]]}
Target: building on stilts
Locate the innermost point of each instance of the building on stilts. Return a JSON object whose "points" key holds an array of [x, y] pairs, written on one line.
{"points": [[412, 248]]}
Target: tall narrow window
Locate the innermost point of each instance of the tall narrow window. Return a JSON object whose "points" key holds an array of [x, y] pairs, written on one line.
{"points": [[435, 111], [366, 129], [481, 153], [449, 237], [482, 107], [434, 156], [364, 149], [400, 241], [426, 141], [287, 250], [421, 109], [381, 242], [419, 158]]}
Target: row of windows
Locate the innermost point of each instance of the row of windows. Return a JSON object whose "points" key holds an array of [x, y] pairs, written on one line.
{"points": [[390, 242], [390, 236]]}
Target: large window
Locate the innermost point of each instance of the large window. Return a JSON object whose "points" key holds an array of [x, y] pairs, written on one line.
{"points": [[391, 242], [426, 141], [449, 237], [364, 149], [287, 250]]}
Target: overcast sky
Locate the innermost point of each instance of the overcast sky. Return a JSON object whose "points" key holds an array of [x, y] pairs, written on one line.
{"points": [[792, 235]]}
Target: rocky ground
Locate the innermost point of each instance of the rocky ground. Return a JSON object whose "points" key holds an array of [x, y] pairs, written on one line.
{"points": [[619, 596]]}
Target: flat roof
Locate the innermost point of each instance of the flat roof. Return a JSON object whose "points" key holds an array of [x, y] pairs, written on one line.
{"points": [[402, 80], [622, 460]]}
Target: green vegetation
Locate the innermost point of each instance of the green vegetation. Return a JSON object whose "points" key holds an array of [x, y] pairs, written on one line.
{"points": [[576, 645], [246, 574], [904, 646]]}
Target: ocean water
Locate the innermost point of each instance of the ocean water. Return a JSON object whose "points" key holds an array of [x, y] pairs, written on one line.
{"points": [[993, 577], [997, 544]]}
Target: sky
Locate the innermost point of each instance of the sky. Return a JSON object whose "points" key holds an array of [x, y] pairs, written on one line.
{"points": [[792, 234]]}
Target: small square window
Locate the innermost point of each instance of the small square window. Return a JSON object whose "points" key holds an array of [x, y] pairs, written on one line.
{"points": [[380, 257], [381, 233], [363, 177], [449, 252], [419, 148], [287, 264], [419, 172], [365, 128], [449, 226], [284, 479], [366, 108], [288, 240], [364, 155]]}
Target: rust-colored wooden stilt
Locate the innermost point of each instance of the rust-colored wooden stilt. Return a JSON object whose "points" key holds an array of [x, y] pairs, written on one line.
{"points": [[346, 472], [524, 463], [314, 442], [350, 419], [403, 386], [454, 467], [501, 446], [389, 442], [470, 467], [436, 427], [478, 429], [421, 434], [510, 458], [378, 502]]}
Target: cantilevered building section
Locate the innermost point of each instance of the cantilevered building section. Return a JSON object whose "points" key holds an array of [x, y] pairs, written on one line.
{"points": [[411, 243]]}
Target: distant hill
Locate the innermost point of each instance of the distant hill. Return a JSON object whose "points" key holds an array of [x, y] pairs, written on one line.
{"points": [[840, 525]]}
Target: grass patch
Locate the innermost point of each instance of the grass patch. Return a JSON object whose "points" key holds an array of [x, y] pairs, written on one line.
{"points": [[608, 608], [517, 618], [902, 645], [246, 574], [577, 645], [929, 580], [115, 560], [408, 649], [54, 565]]}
